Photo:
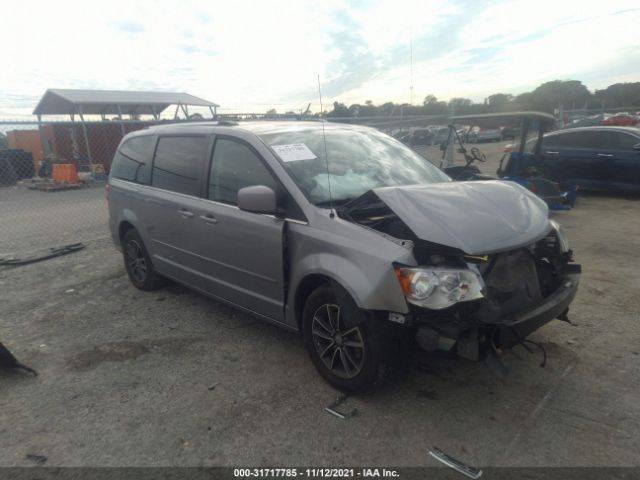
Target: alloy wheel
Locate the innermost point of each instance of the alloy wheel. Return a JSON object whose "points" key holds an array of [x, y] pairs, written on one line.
{"points": [[341, 349], [136, 261]]}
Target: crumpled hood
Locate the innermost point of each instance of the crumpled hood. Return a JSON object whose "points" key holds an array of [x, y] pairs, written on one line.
{"points": [[477, 217]]}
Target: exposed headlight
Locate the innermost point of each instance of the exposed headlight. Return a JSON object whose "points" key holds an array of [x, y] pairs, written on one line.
{"points": [[438, 288], [562, 239]]}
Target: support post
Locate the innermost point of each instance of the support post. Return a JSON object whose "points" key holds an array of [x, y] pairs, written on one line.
{"points": [[43, 144], [120, 120], [86, 138]]}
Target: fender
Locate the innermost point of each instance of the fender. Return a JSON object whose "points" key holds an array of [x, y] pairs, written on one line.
{"points": [[362, 280]]}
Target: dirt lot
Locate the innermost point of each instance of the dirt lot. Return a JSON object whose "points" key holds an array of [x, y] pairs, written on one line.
{"points": [[173, 378]]}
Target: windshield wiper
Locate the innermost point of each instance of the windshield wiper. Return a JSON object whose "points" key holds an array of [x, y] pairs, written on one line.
{"points": [[334, 203]]}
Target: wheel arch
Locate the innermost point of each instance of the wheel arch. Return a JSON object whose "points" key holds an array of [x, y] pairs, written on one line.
{"points": [[308, 285], [123, 228], [128, 220]]}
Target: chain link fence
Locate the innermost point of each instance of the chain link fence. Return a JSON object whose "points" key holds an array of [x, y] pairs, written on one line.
{"points": [[52, 178]]}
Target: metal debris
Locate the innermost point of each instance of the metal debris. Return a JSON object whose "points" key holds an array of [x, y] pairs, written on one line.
{"points": [[457, 465], [336, 403], [39, 459], [53, 252]]}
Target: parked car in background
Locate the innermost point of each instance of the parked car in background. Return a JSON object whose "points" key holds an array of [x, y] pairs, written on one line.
{"points": [[440, 135], [478, 135], [421, 136], [403, 136], [594, 158], [341, 233], [510, 133], [621, 120], [590, 121]]}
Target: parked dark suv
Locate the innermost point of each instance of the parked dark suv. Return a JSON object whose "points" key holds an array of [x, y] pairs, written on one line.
{"points": [[594, 158], [341, 233]]}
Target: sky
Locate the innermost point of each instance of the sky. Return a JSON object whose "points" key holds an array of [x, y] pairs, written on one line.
{"points": [[250, 56]]}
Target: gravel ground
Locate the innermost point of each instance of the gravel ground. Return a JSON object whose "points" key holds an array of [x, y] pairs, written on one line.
{"points": [[173, 378], [32, 220]]}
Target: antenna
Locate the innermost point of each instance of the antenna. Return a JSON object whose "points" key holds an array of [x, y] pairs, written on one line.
{"points": [[411, 66], [326, 156]]}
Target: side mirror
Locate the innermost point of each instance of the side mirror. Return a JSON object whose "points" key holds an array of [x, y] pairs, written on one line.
{"points": [[257, 199]]}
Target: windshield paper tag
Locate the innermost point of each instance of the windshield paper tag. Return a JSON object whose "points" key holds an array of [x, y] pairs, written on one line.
{"points": [[294, 152]]}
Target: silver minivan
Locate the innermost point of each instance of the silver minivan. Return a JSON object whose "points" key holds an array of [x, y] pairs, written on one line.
{"points": [[341, 233]]}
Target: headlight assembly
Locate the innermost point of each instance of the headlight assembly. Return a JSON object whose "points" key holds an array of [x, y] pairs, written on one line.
{"points": [[438, 288]]}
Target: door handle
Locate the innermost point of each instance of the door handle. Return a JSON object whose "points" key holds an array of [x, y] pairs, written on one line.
{"points": [[185, 213], [549, 152], [605, 155], [209, 219]]}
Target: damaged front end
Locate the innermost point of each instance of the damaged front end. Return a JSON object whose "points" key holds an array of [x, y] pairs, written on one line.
{"points": [[474, 295]]}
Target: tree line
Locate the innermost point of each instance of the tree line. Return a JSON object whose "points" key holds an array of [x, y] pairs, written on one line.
{"points": [[570, 94]]}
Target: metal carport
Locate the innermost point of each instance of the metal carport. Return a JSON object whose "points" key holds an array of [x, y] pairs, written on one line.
{"points": [[72, 102]]}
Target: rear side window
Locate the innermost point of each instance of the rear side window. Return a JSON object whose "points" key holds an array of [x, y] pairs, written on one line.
{"points": [[622, 141], [236, 166], [570, 140], [178, 164], [132, 161]]}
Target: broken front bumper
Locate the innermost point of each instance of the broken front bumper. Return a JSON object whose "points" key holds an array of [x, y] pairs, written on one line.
{"points": [[467, 332], [516, 327]]}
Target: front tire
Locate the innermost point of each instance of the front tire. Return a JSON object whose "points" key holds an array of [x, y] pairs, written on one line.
{"points": [[343, 342], [138, 263]]}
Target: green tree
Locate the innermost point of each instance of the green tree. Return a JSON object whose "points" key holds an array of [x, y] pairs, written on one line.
{"points": [[339, 110], [499, 102], [460, 105], [430, 100], [618, 95], [570, 94]]}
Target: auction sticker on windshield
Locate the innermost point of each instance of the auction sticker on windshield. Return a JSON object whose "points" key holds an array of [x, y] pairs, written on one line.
{"points": [[293, 152]]}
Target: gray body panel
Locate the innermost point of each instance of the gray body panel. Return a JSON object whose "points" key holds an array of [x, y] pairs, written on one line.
{"points": [[359, 259], [476, 217], [172, 230], [242, 257]]}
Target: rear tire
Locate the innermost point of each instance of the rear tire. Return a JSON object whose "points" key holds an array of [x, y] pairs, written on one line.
{"points": [[138, 263], [344, 342]]}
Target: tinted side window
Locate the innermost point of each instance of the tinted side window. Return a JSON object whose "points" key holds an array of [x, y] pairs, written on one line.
{"points": [[132, 161], [622, 141], [236, 166], [178, 164], [570, 140]]}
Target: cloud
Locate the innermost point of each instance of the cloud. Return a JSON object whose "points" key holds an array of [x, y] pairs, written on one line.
{"points": [[253, 56], [128, 26]]}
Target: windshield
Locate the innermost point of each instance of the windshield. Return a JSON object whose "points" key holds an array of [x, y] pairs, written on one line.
{"points": [[359, 160]]}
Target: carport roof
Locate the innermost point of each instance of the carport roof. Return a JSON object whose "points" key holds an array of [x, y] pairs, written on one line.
{"points": [[58, 101], [543, 117]]}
